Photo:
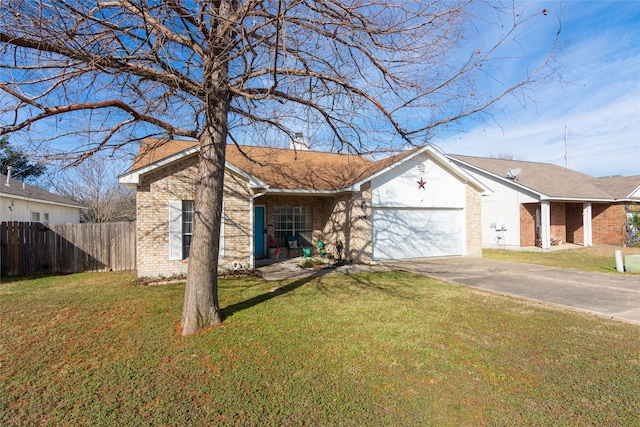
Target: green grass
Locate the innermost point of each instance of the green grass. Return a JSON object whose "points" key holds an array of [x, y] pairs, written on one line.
{"points": [[600, 259], [370, 349]]}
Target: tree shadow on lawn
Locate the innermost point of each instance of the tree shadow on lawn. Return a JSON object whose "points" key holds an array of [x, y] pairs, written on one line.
{"points": [[258, 299], [399, 291]]}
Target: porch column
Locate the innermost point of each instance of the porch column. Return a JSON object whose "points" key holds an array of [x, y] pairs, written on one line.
{"points": [[545, 224], [586, 224]]}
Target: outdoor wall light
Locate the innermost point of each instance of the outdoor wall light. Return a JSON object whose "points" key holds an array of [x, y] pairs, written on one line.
{"points": [[363, 205]]}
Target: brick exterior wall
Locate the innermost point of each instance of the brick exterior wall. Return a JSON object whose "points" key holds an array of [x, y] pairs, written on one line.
{"points": [[351, 225], [558, 222], [317, 205], [575, 223], [175, 183], [339, 218], [528, 224], [609, 222], [473, 222]]}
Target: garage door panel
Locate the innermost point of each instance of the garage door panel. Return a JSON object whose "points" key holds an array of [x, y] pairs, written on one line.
{"points": [[417, 233]]}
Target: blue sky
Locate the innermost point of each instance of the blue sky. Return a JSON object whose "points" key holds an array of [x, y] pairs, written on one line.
{"points": [[597, 97]]}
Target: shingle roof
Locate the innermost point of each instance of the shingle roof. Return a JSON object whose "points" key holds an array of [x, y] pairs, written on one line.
{"points": [[544, 178], [24, 190], [619, 186], [299, 169], [153, 150], [278, 168]]}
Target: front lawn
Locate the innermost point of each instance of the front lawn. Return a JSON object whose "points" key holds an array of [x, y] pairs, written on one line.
{"points": [[370, 349], [599, 258]]}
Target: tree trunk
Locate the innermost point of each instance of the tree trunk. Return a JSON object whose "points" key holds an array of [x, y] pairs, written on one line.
{"points": [[201, 306]]}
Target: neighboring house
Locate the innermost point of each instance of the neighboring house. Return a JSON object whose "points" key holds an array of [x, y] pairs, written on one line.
{"points": [[23, 202], [540, 204], [417, 204]]}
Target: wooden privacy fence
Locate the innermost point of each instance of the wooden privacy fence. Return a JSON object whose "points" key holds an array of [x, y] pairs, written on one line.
{"points": [[35, 248]]}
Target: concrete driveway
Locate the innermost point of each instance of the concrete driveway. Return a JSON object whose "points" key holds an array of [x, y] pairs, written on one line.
{"points": [[609, 295]]}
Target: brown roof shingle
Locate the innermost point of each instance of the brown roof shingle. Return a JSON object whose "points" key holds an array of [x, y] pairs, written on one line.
{"points": [[279, 168], [21, 189], [619, 186], [545, 178]]}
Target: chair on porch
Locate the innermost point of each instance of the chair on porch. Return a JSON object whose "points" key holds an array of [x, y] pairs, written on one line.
{"points": [[294, 246]]}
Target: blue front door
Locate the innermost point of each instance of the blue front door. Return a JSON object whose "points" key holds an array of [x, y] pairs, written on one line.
{"points": [[259, 231]]}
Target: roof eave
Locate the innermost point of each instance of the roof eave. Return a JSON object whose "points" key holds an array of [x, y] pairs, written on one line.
{"points": [[304, 192], [580, 199], [635, 194], [36, 199], [500, 178], [132, 179], [442, 159]]}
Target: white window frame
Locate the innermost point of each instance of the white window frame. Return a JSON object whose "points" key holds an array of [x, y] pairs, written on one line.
{"points": [[177, 231], [35, 216], [293, 217]]}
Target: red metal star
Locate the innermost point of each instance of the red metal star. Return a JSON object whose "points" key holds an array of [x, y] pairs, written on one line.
{"points": [[421, 184]]}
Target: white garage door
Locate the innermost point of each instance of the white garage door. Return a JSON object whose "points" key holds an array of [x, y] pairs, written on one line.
{"points": [[417, 233]]}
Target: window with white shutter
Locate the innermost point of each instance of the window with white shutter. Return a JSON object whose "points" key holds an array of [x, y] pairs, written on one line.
{"points": [[181, 215]]}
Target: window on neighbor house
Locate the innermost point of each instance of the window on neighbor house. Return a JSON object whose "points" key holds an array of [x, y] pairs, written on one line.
{"points": [[181, 215], [293, 221], [46, 217], [35, 216]]}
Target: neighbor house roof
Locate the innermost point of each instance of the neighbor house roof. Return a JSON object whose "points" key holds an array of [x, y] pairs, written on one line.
{"points": [[621, 187], [281, 169], [23, 191], [548, 180]]}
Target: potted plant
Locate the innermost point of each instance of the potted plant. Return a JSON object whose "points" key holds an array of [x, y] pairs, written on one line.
{"points": [[272, 248]]}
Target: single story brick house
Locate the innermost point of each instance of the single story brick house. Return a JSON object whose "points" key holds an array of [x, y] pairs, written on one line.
{"points": [[416, 204], [540, 204]]}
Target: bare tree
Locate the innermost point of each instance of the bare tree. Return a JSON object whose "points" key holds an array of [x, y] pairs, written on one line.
{"points": [[94, 184], [367, 76]]}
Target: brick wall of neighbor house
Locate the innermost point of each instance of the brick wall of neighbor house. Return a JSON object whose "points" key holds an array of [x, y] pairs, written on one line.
{"points": [[175, 183], [473, 222], [575, 223], [609, 223], [528, 224], [558, 222]]}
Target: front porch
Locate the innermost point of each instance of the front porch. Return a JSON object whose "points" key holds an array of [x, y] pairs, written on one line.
{"points": [[552, 225], [549, 224], [333, 226]]}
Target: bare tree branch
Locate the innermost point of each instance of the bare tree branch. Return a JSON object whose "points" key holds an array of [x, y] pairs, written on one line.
{"points": [[370, 76]]}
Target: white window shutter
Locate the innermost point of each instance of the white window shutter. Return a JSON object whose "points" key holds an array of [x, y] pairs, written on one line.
{"points": [[175, 230], [221, 248]]}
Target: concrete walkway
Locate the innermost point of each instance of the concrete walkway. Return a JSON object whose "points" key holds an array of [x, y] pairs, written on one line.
{"points": [[609, 295]]}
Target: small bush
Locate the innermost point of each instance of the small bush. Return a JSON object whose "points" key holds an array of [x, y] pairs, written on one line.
{"points": [[312, 263]]}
